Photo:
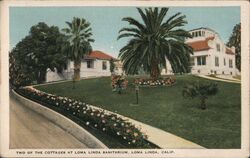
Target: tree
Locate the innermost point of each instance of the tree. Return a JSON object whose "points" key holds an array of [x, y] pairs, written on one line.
{"points": [[112, 65], [155, 40], [78, 36], [235, 41], [201, 91], [39, 51]]}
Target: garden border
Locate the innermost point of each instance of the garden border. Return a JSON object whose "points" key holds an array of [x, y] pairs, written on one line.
{"points": [[68, 125]]}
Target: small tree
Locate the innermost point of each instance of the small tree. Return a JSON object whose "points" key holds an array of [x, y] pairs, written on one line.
{"points": [[201, 91]]}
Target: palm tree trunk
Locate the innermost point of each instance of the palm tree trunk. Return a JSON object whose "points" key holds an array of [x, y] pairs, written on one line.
{"points": [[155, 72], [77, 68]]}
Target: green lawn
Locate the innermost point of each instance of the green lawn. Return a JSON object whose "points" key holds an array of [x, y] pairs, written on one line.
{"points": [[219, 126]]}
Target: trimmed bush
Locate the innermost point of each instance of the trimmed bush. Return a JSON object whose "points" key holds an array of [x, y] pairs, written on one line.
{"points": [[101, 120]]}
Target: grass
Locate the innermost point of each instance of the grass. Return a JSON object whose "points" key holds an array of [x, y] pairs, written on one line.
{"points": [[218, 127]]}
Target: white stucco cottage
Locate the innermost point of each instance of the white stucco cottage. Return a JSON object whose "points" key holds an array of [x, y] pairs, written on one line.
{"points": [[211, 55], [95, 64]]}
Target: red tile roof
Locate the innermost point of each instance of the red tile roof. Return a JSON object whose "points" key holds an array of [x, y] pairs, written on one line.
{"points": [[100, 55], [200, 45], [229, 51]]}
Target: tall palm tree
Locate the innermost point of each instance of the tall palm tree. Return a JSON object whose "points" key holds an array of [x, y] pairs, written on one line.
{"points": [[78, 35], [155, 40]]}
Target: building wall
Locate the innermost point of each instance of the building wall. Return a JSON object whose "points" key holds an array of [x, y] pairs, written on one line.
{"points": [[211, 54], [97, 70]]}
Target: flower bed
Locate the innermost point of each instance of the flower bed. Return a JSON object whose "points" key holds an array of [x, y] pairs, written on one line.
{"points": [[111, 124], [159, 82]]}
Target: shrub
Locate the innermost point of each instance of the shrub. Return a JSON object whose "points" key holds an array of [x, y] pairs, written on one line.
{"points": [[108, 123], [17, 75], [201, 91], [118, 82]]}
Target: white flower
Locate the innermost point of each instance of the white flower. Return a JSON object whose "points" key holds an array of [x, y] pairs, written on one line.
{"points": [[113, 118], [67, 108], [69, 104], [98, 115], [84, 112], [103, 121], [103, 129], [92, 114], [102, 115], [74, 113], [57, 104], [128, 142], [87, 123], [118, 133], [122, 124], [64, 101], [95, 125], [133, 141], [78, 110], [115, 124], [124, 138]]}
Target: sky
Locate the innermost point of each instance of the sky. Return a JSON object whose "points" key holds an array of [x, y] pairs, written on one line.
{"points": [[106, 21]]}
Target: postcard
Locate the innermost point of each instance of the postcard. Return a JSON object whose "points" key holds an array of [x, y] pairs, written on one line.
{"points": [[124, 79]]}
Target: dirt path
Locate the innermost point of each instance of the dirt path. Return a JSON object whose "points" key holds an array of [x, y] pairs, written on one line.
{"points": [[31, 130]]}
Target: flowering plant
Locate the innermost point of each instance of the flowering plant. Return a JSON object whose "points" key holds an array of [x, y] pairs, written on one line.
{"points": [[101, 120], [158, 82]]}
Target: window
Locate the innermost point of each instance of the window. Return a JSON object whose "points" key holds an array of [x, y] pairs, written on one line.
{"points": [[224, 62], [90, 64], [203, 33], [230, 63], [216, 61], [192, 62], [199, 33], [201, 60], [196, 34], [104, 65], [218, 47]]}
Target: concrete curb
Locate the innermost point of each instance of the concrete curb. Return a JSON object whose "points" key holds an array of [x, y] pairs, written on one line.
{"points": [[71, 127]]}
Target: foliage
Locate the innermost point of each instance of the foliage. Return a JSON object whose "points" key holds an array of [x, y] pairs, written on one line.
{"points": [[154, 41], [112, 65], [17, 75], [78, 35], [235, 41], [104, 121], [118, 82], [39, 51], [201, 91], [159, 82]]}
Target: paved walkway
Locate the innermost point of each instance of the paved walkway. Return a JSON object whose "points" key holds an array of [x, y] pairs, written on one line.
{"points": [[159, 137], [220, 79], [31, 130]]}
